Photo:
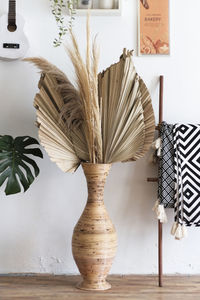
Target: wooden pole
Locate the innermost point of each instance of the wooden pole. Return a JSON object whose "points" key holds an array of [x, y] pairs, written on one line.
{"points": [[161, 99], [160, 227]]}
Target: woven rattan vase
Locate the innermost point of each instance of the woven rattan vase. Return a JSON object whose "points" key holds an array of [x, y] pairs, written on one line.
{"points": [[94, 239]]}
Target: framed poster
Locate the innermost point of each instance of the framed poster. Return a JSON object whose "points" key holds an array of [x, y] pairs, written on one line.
{"points": [[153, 27]]}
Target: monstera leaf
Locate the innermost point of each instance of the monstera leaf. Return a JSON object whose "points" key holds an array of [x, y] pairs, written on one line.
{"points": [[15, 166]]}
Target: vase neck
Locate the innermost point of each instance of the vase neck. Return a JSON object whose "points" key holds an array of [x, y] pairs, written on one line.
{"points": [[96, 175]]}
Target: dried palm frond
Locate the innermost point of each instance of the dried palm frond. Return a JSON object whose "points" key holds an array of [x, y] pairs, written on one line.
{"points": [[127, 115], [55, 91], [149, 120], [108, 118], [55, 142], [65, 92]]}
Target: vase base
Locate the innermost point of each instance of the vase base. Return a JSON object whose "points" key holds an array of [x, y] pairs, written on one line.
{"points": [[93, 286]]}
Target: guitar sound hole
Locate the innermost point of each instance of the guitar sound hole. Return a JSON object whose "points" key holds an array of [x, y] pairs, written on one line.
{"points": [[12, 28]]}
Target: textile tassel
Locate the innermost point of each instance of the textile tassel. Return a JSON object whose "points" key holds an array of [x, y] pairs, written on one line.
{"points": [[160, 212], [157, 146], [155, 208], [174, 228], [179, 233], [159, 152]]}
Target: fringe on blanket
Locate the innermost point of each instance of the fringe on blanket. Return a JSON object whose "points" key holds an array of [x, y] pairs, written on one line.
{"points": [[160, 212], [179, 231], [159, 208]]}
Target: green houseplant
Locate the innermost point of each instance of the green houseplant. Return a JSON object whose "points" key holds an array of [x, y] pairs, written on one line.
{"points": [[16, 167], [58, 7]]}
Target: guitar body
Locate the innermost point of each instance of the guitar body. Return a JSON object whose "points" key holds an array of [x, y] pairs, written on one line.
{"points": [[13, 45]]}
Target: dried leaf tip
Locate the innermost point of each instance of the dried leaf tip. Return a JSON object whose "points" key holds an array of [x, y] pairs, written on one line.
{"points": [[126, 53]]}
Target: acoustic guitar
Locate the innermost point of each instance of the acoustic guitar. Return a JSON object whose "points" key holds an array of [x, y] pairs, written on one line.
{"points": [[13, 42]]}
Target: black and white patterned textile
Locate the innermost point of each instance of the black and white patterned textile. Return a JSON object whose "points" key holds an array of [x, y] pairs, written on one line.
{"points": [[187, 173], [166, 166]]}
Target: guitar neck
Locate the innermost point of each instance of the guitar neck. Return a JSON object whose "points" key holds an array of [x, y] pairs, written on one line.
{"points": [[12, 13]]}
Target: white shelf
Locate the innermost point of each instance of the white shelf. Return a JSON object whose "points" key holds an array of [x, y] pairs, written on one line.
{"points": [[99, 12], [102, 12]]}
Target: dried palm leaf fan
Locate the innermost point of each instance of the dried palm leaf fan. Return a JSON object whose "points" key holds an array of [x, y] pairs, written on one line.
{"points": [[106, 118], [127, 116]]}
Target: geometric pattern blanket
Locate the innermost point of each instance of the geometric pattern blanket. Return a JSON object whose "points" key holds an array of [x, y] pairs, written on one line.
{"points": [[187, 173], [166, 166]]}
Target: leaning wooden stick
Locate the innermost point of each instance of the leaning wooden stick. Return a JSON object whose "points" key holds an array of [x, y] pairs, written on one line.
{"points": [[160, 231]]}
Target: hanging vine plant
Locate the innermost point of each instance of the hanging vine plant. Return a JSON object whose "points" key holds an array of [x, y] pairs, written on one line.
{"points": [[58, 8]]}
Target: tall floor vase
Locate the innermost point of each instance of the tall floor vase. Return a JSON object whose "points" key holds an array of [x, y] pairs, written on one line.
{"points": [[94, 240]]}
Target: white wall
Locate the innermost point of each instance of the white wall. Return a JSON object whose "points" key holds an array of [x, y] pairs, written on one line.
{"points": [[36, 227]]}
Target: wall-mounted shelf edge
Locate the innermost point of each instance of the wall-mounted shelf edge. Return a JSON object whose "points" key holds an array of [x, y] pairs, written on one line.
{"points": [[101, 12]]}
